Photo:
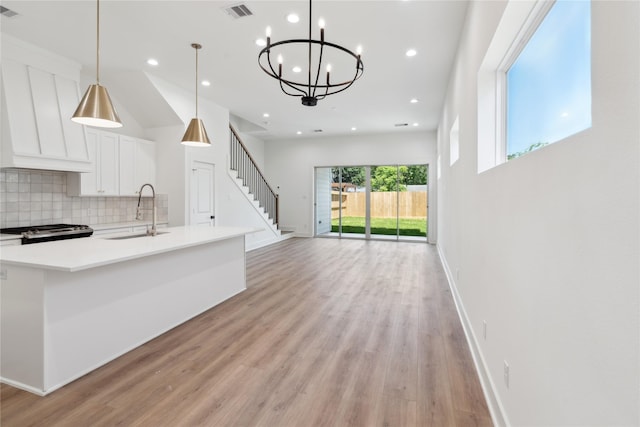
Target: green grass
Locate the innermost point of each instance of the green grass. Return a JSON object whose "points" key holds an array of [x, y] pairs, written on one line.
{"points": [[387, 226]]}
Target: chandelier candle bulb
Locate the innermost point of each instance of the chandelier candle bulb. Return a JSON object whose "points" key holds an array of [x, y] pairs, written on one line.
{"points": [[268, 31]]}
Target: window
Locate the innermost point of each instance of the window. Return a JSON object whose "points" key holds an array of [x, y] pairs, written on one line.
{"points": [[548, 86], [534, 83], [454, 142]]}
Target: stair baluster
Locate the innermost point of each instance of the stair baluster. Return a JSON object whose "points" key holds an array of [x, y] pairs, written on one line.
{"points": [[251, 176]]}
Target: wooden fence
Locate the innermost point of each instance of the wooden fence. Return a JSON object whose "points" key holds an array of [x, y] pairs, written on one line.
{"points": [[405, 204]]}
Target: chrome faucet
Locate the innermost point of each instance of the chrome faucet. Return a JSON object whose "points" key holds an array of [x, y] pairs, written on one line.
{"points": [[153, 230]]}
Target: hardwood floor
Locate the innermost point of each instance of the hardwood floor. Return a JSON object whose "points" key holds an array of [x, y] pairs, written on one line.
{"points": [[328, 333]]}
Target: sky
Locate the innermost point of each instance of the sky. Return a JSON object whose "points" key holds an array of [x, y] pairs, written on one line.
{"points": [[549, 85]]}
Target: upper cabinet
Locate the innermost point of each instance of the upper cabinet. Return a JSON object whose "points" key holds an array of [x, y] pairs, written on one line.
{"points": [[137, 164], [40, 92], [121, 164]]}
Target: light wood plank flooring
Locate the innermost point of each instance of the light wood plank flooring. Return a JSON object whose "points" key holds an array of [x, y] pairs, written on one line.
{"points": [[329, 333]]}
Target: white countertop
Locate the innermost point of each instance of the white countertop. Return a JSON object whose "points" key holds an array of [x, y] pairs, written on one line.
{"points": [[89, 252]]}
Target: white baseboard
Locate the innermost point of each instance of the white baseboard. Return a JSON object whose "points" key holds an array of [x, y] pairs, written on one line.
{"points": [[266, 242], [498, 414], [22, 386]]}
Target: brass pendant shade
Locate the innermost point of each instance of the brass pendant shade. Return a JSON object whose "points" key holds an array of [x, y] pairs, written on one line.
{"points": [[196, 135], [96, 109]]}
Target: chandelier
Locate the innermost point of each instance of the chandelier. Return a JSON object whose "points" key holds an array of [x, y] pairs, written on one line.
{"points": [[312, 89]]}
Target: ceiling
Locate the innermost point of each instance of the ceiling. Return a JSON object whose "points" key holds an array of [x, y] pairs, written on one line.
{"points": [[133, 31]]}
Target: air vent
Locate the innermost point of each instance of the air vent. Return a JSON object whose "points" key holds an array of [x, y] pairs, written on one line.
{"points": [[7, 12], [238, 11], [317, 130], [399, 125]]}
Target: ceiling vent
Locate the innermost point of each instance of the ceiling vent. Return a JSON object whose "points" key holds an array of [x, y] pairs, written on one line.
{"points": [[7, 12], [317, 130], [399, 125], [238, 11]]}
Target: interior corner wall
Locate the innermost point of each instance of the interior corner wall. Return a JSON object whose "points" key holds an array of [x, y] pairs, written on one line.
{"points": [[175, 159], [232, 208], [545, 248], [290, 165], [171, 165]]}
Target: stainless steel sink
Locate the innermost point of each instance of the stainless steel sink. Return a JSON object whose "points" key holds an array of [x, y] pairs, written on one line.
{"points": [[135, 236]]}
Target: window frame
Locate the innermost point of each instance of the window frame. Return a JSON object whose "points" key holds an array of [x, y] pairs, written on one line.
{"points": [[530, 26]]}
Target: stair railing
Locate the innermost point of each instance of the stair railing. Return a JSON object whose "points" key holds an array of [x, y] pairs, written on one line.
{"points": [[251, 176]]}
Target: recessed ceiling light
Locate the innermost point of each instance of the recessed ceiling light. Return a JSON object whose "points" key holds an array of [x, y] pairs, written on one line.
{"points": [[205, 83], [411, 52], [261, 42], [152, 61], [299, 132], [354, 128], [416, 124], [293, 18], [296, 69], [414, 100], [265, 115]]}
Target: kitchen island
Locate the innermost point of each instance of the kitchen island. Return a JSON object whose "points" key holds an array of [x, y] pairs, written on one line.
{"points": [[70, 306]]}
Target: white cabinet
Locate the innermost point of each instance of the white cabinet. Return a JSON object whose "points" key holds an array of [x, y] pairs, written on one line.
{"points": [[128, 185], [103, 179], [121, 164], [137, 164], [11, 242], [40, 92], [103, 231], [119, 228]]}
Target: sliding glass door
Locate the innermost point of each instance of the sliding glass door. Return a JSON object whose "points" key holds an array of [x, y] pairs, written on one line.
{"points": [[384, 202], [380, 202]]}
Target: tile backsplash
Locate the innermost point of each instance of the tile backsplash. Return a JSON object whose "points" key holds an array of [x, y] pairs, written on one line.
{"points": [[36, 197]]}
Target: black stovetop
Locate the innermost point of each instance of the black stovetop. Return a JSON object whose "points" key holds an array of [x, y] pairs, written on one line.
{"points": [[49, 232]]}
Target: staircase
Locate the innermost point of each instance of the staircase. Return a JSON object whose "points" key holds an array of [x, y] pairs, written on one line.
{"points": [[252, 180]]}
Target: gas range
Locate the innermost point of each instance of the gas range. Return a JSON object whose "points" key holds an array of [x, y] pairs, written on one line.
{"points": [[49, 232]]}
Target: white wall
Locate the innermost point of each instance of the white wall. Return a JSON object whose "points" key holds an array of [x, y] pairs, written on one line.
{"points": [[174, 165], [290, 168], [130, 126], [545, 248]]}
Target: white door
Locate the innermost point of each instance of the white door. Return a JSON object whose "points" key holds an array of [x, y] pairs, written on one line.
{"points": [[202, 193]]}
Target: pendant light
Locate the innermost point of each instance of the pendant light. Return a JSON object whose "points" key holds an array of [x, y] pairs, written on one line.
{"points": [[96, 108], [196, 135]]}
